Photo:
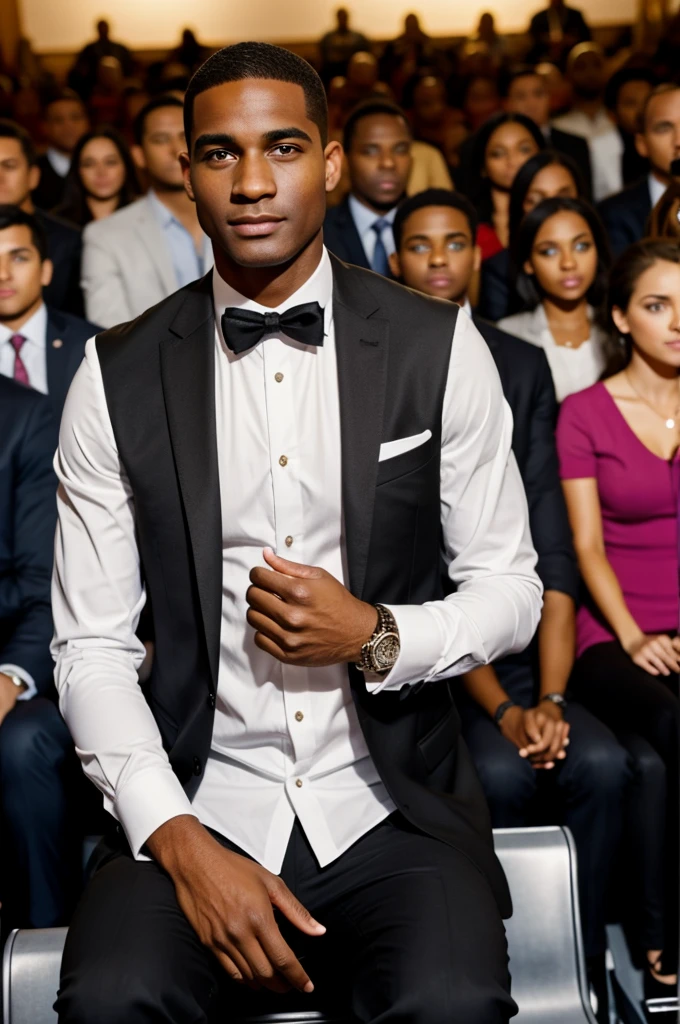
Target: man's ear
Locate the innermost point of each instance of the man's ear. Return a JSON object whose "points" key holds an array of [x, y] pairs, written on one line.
{"points": [[185, 164], [46, 272], [138, 156], [477, 260], [641, 144], [395, 264], [620, 320], [333, 156]]}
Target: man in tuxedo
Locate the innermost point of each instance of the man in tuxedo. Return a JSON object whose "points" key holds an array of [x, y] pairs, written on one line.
{"points": [[144, 252], [516, 719], [39, 346], [296, 748], [377, 143], [64, 123], [19, 176], [658, 140]]}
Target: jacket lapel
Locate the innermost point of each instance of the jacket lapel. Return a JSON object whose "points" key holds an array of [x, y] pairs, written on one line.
{"points": [[361, 339], [355, 250], [188, 379], [57, 359], [151, 237]]}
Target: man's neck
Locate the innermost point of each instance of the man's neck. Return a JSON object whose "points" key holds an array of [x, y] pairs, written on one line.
{"points": [[14, 324], [379, 211], [271, 286], [661, 176], [590, 107]]}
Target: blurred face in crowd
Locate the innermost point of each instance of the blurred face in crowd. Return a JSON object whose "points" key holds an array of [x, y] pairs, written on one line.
{"points": [[553, 180], [652, 318], [429, 100], [564, 257], [259, 172], [587, 74], [481, 101], [437, 255], [17, 178], [630, 103], [162, 143], [101, 169], [509, 147], [659, 140], [529, 95], [65, 124], [23, 275], [379, 160]]}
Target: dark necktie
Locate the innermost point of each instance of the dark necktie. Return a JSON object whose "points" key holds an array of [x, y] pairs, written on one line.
{"points": [[20, 371], [380, 263], [244, 328]]}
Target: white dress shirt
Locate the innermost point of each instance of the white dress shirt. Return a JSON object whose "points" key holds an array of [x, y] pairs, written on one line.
{"points": [[33, 352], [656, 189], [364, 220], [60, 162], [606, 148], [286, 741]]}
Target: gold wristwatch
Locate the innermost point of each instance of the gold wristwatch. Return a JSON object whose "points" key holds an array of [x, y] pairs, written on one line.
{"points": [[380, 653]]}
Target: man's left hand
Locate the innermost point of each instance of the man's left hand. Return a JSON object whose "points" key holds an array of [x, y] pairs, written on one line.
{"points": [[304, 616]]}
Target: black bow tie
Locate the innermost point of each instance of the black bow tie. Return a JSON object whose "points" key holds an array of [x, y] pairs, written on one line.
{"points": [[244, 328]]}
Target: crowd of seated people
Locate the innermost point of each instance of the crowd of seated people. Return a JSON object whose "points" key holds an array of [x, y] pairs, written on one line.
{"points": [[519, 188]]}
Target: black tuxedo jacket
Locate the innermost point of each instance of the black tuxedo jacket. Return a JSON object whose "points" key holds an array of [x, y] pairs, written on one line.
{"points": [[158, 373], [64, 350], [64, 249], [625, 215], [530, 393], [28, 513], [50, 190], [341, 237]]}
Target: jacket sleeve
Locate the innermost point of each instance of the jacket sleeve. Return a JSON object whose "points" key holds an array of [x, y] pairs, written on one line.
{"points": [[102, 282]]}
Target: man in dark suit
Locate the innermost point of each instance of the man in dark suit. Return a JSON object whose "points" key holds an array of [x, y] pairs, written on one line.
{"points": [[625, 214], [555, 30], [19, 175], [285, 401], [377, 143], [64, 122], [515, 716], [39, 346]]}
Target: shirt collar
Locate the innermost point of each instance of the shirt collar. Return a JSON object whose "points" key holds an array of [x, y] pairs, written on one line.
{"points": [[60, 161], [163, 215], [656, 189], [365, 218], [467, 308], [34, 330]]}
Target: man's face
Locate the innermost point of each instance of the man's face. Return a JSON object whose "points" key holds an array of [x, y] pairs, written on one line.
{"points": [[587, 75], [630, 103], [65, 124], [429, 100], [437, 255], [659, 140], [258, 171], [22, 273], [379, 160], [161, 146], [529, 95], [17, 178]]}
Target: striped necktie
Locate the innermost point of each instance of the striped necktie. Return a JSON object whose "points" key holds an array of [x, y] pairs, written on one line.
{"points": [[20, 371]]}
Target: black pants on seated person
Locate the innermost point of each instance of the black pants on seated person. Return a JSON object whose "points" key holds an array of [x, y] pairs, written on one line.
{"points": [[587, 790], [413, 935]]}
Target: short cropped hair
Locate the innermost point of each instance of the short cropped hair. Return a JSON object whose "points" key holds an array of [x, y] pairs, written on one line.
{"points": [[433, 197], [514, 73], [622, 77], [157, 103], [660, 90], [259, 60], [12, 216], [61, 96], [367, 109], [12, 130]]}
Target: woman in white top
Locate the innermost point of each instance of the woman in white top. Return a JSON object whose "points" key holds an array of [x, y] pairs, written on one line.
{"points": [[559, 268]]}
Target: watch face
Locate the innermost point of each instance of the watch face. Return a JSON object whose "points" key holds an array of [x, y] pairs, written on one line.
{"points": [[386, 651]]}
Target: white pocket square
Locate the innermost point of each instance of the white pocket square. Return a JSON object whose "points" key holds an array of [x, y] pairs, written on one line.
{"points": [[390, 449]]}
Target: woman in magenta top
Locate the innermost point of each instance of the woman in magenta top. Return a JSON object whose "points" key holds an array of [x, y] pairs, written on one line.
{"points": [[618, 445]]}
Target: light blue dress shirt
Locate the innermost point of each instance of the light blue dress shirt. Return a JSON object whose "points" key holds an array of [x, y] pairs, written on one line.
{"points": [[364, 220], [187, 263]]}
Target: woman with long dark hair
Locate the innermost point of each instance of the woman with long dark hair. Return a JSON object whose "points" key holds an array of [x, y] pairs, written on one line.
{"points": [[101, 180], [559, 266], [502, 145], [618, 443]]}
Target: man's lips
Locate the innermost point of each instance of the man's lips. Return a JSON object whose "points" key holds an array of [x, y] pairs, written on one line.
{"points": [[255, 226], [7, 293], [439, 281]]}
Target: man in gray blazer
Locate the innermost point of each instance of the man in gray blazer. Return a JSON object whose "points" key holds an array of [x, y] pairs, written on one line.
{"points": [[147, 250]]}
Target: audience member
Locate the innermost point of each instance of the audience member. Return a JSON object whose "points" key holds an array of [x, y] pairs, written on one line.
{"points": [[190, 53], [559, 268], [543, 176], [83, 75], [480, 99], [555, 31], [107, 100], [590, 118], [144, 252], [625, 96], [19, 175], [102, 178], [338, 46], [377, 143], [664, 220], [426, 103], [658, 141], [428, 169], [500, 148], [618, 446], [518, 705], [486, 33], [39, 346], [403, 56], [557, 85], [360, 84], [64, 123]]}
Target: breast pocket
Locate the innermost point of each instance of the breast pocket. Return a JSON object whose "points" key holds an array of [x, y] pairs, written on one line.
{"points": [[408, 462]]}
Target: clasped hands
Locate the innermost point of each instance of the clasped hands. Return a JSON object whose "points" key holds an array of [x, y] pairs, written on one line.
{"points": [[540, 734]]}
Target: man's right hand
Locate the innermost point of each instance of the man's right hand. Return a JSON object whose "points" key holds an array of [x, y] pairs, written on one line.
{"points": [[229, 900]]}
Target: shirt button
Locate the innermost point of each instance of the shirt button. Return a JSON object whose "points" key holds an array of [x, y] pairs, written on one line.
{"points": [[212, 700], [298, 716], [298, 783], [289, 541], [197, 766], [278, 377], [283, 461]]}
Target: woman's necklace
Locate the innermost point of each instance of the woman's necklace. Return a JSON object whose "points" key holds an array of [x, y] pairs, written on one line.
{"points": [[669, 421]]}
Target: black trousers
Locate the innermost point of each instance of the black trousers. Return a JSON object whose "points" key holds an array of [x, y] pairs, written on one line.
{"points": [[413, 935], [644, 711], [40, 787], [585, 792]]}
